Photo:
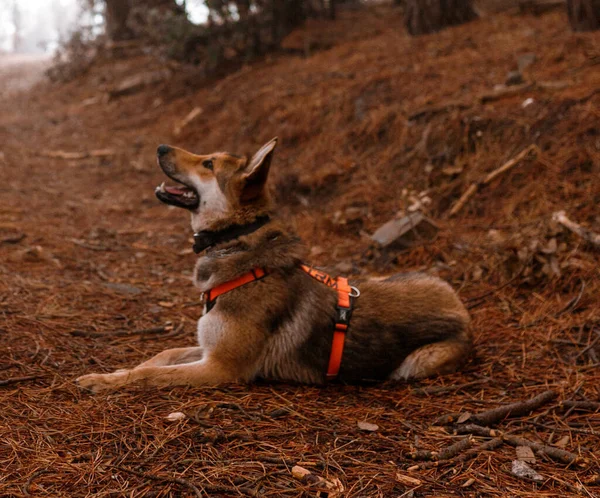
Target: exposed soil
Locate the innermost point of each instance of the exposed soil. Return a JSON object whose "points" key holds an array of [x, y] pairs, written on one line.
{"points": [[90, 261]]}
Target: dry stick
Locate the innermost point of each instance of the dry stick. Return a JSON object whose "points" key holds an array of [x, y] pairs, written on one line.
{"points": [[29, 482], [477, 430], [490, 417], [16, 380], [563, 456], [490, 445], [497, 414], [580, 405], [584, 233], [445, 453], [491, 176], [592, 344], [509, 91], [118, 333], [555, 453], [172, 480]]}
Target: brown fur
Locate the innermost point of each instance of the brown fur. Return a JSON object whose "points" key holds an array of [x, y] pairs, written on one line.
{"points": [[281, 327]]}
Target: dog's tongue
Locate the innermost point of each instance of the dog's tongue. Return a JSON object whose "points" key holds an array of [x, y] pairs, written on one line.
{"points": [[175, 190]]}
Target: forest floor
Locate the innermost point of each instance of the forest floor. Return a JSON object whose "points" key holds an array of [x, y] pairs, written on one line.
{"points": [[95, 272]]}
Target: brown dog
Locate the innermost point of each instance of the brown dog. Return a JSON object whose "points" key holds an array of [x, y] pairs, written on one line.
{"points": [[277, 320]]}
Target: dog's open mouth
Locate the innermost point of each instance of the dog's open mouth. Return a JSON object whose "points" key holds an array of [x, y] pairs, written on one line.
{"points": [[181, 196]]}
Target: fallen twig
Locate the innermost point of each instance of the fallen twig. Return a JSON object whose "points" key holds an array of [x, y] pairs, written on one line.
{"points": [[477, 430], [445, 453], [29, 482], [495, 415], [561, 455], [463, 457], [16, 380], [504, 92], [580, 405], [70, 156], [172, 480], [491, 176], [585, 233], [92, 247], [15, 239], [120, 333]]}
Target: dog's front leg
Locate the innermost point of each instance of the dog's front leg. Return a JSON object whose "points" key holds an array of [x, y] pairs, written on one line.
{"points": [[200, 373], [175, 356]]}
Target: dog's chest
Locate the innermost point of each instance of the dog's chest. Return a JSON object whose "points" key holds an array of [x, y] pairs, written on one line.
{"points": [[210, 330]]}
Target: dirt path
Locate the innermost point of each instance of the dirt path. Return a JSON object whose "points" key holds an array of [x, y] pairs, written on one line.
{"points": [[19, 72]]}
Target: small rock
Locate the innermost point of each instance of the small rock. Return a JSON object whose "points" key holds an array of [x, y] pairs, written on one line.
{"points": [[526, 60], [525, 454], [521, 469], [467, 483], [407, 231], [407, 480], [173, 417], [463, 417], [527, 102], [514, 78], [367, 426]]}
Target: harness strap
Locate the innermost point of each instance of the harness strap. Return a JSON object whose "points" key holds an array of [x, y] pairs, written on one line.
{"points": [[344, 311], [211, 295]]}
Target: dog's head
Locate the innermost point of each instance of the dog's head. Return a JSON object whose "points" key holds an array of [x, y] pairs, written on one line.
{"points": [[218, 189]]}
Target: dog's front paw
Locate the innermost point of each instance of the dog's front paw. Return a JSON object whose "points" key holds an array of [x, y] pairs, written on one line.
{"points": [[96, 382]]}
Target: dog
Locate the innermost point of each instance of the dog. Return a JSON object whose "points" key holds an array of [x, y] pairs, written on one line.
{"points": [[268, 315]]}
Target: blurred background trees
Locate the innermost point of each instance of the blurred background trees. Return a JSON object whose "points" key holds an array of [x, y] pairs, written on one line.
{"points": [[222, 34], [428, 16], [584, 15]]}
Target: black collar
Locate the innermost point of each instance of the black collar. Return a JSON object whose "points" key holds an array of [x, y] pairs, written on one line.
{"points": [[206, 238]]}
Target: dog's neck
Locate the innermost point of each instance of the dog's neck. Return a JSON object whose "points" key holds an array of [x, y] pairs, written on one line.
{"points": [[271, 245], [206, 239]]}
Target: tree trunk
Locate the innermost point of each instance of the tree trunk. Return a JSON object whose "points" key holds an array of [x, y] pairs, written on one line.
{"points": [[584, 15], [117, 13], [428, 16]]}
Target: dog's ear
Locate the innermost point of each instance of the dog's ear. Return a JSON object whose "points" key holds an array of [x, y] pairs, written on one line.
{"points": [[257, 171]]}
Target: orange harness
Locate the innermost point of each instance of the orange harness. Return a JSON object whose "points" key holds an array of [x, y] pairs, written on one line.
{"points": [[344, 306]]}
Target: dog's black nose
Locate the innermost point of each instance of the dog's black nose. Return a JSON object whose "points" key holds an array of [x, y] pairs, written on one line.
{"points": [[163, 150]]}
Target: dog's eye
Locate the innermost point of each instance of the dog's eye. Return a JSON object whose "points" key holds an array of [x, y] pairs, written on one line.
{"points": [[208, 164]]}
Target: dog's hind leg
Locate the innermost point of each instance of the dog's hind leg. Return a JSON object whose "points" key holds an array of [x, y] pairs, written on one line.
{"points": [[434, 359], [175, 356]]}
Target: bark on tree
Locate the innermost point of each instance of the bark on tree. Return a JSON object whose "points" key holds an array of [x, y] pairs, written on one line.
{"points": [[584, 15], [428, 16], [117, 13]]}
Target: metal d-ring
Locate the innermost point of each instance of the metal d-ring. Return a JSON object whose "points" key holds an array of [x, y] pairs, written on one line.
{"points": [[354, 292]]}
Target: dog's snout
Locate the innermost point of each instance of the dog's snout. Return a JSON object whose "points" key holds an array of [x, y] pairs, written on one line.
{"points": [[163, 150]]}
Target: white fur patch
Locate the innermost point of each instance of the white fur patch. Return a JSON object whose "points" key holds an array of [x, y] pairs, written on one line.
{"points": [[407, 370], [210, 331], [213, 203]]}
